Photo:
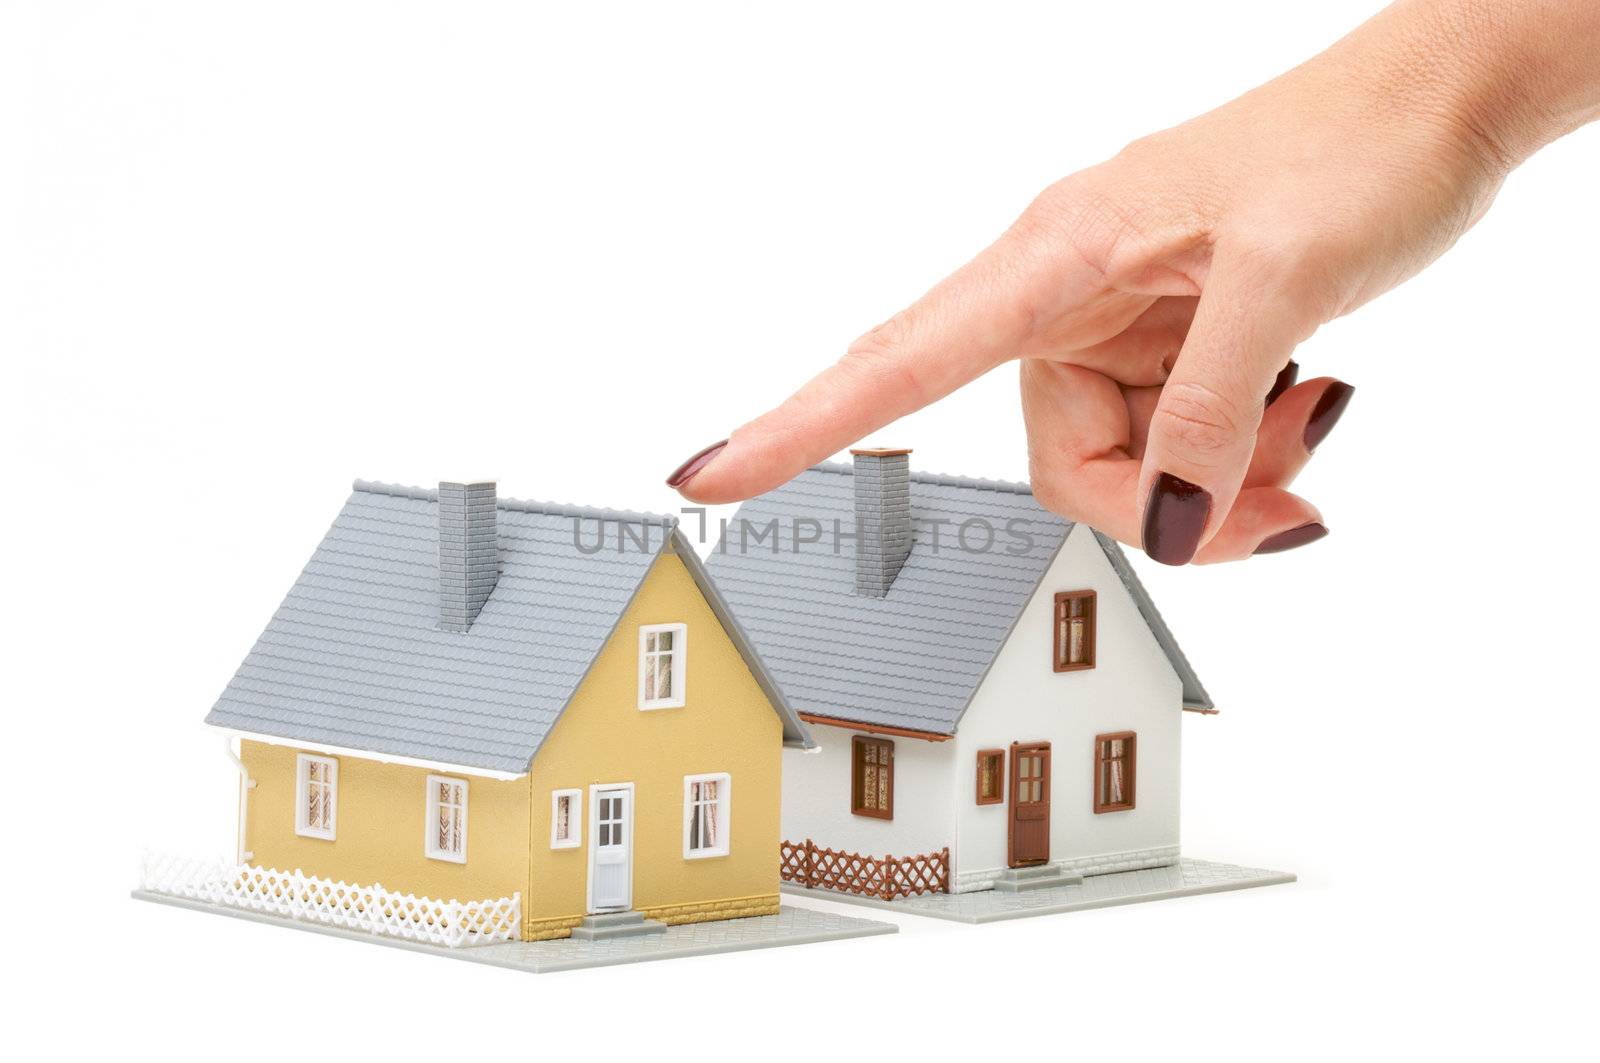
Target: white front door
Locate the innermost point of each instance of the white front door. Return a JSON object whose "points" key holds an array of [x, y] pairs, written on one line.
{"points": [[611, 849]]}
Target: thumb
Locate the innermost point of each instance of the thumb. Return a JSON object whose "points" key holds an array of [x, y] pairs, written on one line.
{"points": [[1203, 431]]}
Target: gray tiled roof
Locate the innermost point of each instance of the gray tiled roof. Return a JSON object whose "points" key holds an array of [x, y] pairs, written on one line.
{"points": [[914, 658], [354, 657]]}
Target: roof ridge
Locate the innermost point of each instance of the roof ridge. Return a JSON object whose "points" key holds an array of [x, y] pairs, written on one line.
{"points": [[550, 509], [939, 479]]}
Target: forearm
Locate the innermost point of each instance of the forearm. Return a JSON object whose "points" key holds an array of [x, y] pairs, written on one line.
{"points": [[1513, 75]]}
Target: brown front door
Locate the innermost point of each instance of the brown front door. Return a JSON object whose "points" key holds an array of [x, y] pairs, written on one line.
{"points": [[1029, 841]]}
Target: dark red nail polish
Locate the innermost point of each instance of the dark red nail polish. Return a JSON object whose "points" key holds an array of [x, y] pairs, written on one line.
{"points": [[1288, 540], [1285, 381], [1328, 410], [1174, 519], [697, 461]]}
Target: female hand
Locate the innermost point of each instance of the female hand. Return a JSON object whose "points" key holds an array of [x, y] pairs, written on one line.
{"points": [[1155, 300]]}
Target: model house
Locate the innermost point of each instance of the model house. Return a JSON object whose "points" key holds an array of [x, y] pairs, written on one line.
{"points": [[996, 700], [471, 697]]}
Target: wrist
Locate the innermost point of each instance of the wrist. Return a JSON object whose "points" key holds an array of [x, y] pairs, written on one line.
{"points": [[1512, 75]]}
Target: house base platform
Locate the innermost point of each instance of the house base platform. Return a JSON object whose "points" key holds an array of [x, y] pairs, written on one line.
{"points": [[791, 926], [1187, 878]]}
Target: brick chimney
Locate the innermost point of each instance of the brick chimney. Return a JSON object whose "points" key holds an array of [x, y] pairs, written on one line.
{"points": [[883, 518], [469, 553]]}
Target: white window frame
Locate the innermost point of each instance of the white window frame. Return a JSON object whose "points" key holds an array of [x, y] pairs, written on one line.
{"points": [[430, 822], [724, 814], [302, 789], [574, 819], [680, 676]]}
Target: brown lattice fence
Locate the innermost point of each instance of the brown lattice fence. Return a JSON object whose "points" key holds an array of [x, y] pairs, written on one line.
{"points": [[887, 877]]}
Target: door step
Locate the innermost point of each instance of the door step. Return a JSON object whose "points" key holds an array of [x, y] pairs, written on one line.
{"points": [[616, 925], [1038, 877]]}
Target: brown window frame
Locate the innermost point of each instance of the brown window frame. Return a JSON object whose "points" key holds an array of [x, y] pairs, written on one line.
{"points": [[1130, 765], [858, 746], [999, 758], [1060, 644]]}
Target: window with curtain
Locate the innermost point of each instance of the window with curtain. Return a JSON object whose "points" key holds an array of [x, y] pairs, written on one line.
{"points": [[991, 776], [872, 782], [1114, 770], [705, 815], [566, 812], [661, 665], [316, 796], [1074, 630], [447, 819]]}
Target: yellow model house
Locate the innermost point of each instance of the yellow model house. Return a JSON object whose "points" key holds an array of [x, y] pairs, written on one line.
{"points": [[477, 698]]}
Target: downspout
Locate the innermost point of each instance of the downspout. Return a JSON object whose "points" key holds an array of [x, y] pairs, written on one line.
{"points": [[246, 784]]}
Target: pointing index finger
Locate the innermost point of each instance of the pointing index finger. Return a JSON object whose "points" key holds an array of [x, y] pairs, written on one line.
{"points": [[971, 322]]}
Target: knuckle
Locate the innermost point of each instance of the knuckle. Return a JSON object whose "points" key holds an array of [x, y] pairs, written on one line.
{"points": [[1150, 148], [1042, 222], [1200, 421], [1047, 229], [1117, 219], [1083, 212], [879, 343]]}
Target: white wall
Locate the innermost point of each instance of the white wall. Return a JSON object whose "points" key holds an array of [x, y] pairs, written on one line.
{"points": [[1132, 687], [816, 797]]}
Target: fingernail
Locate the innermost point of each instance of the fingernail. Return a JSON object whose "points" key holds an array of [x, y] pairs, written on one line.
{"points": [[1306, 533], [697, 461], [1174, 519], [1285, 381], [1328, 410]]}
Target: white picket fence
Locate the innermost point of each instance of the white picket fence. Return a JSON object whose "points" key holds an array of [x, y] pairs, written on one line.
{"points": [[300, 896]]}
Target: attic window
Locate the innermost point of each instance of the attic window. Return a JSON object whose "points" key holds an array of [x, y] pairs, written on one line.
{"points": [[316, 799], [447, 819], [1074, 631], [661, 665], [1114, 770], [872, 777], [991, 776]]}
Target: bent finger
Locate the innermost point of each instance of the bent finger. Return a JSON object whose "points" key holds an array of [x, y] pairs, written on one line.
{"points": [[1293, 427], [968, 324], [1202, 433], [1078, 457], [1263, 520]]}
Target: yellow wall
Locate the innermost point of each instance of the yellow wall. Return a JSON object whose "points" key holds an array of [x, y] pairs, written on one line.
{"points": [[379, 831], [725, 725]]}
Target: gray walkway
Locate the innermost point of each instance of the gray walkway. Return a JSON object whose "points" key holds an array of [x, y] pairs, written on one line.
{"points": [[791, 926], [1188, 878]]}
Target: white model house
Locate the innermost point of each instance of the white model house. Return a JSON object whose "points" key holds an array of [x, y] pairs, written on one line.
{"points": [[1000, 703]]}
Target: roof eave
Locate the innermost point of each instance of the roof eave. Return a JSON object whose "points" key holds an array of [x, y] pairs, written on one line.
{"points": [[1195, 697], [876, 728], [368, 754]]}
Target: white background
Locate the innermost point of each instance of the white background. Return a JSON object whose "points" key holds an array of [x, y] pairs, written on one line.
{"points": [[253, 251]]}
